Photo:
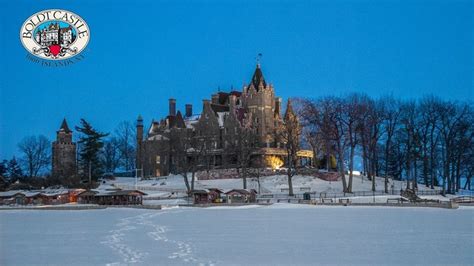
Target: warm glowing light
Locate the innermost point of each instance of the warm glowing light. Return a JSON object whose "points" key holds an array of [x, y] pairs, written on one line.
{"points": [[274, 162]]}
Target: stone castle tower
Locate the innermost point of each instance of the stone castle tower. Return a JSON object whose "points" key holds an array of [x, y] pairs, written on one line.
{"points": [[64, 153], [259, 99]]}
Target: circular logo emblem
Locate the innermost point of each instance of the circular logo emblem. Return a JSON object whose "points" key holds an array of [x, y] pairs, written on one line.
{"points": [[54, 34]]}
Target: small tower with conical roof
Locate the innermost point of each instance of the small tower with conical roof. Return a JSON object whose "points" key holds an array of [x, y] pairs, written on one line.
{"points": [[64, 152]]}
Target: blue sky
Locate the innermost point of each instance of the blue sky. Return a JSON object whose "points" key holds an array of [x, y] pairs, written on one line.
{"points": [[143, 52]]}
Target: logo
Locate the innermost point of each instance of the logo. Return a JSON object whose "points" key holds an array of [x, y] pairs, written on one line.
{"points": [[54, 34]]}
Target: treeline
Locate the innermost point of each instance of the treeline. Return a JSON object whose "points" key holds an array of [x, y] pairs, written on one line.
{"points": [[97, 153], [428, 141]]}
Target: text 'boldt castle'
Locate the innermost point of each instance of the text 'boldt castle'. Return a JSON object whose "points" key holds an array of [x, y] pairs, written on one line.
{"points": [[215, 138]]}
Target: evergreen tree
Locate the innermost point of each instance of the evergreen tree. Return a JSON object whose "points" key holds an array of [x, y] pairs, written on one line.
{"points": [[3, 167], [90, 146], [14, 169]]}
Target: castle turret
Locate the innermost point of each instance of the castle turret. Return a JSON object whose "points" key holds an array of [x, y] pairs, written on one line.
{"points": [[64, 152], [259, 99]]}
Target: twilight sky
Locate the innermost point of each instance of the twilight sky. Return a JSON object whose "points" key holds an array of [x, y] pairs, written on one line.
{"points": [[143, 52]]}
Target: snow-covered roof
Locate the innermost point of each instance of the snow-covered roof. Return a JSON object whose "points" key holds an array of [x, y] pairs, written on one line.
{"points": [[221, 117], [190, 121], [158, 137], [120, 193], [192, 118], [33, 193], [54, 192], [11, 193]]}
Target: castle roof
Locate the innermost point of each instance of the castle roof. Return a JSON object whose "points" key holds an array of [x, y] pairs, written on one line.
{"points": [[65, 29], [53, 26], [219, 108], [258, 78], [64, 127]]}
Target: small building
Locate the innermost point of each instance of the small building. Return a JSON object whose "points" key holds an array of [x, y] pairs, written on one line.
{"points": [[241, 196], [87, 197], [200, 196], [33, 197], [55, 196], [117, 197], [12, 197], [73, 193], [214, 195]]}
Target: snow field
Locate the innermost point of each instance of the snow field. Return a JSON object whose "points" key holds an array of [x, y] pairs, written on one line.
{"points": [[280, 234]]}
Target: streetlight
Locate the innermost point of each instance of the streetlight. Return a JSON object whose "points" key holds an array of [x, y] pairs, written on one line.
{"points": [[136, 178]]}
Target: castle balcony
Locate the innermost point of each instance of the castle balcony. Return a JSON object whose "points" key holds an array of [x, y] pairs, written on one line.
{"points": [[282, 152], [272, 151]]}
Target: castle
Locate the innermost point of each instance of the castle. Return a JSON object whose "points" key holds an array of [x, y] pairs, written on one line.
{"points": [[163, 149], [64, 153], [54, 34], [219, 123]]}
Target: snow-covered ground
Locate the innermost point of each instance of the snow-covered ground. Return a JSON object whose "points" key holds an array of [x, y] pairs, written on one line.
{"points": [[173, 187], [250, 235], [269, 184]]}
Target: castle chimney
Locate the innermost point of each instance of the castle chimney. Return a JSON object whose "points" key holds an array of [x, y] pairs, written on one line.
{"points": [[215, 98], [189, 110], [277, 105], [172, 103], [138, 155]]}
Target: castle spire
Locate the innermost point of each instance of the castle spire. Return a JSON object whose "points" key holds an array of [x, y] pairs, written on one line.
{"points": [[64, 127], [258, 78]]}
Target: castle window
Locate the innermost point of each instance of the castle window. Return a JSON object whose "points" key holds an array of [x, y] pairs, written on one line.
{"points": [[158, 159]]}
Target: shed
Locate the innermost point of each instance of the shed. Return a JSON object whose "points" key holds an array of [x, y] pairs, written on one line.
{"points": [[87, 197], [55, 196], [241, 196], [200, 196], [73, 194], [214, 195]]}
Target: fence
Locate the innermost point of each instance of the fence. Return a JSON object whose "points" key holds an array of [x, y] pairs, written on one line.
{"points": [[149, 188], [344, 195]]}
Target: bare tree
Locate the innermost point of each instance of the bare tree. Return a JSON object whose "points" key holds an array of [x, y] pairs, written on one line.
{"points": [[125, 137], [111, 155], [429, 137], [290, 133], [408, 140], [355, 110], [240, 143], [370, 117], [180, 147], [451, 117], [315, 118], [408, 121], [36, 152]]}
